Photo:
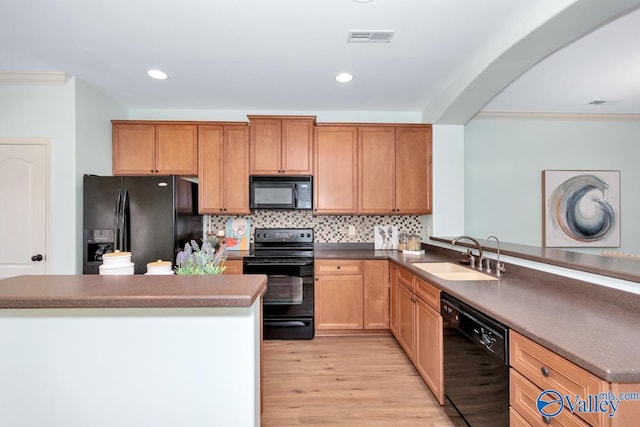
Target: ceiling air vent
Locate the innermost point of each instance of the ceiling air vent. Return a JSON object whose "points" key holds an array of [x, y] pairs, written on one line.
{"points": [[370, 36]]}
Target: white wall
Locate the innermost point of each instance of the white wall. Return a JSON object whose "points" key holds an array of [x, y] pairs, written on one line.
{"points": [[504, 158], [448, 181], [94, 112], [241, 115], [29, 111], [77, 119]]}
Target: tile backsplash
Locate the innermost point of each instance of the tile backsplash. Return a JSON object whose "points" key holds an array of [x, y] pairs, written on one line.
{"points": [[327, 228]]}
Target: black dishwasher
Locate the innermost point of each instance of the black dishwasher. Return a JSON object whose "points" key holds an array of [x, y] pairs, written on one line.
{"points": [[476, 370]]}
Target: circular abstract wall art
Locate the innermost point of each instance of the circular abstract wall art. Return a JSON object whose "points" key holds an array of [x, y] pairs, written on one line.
{"points": [[582, 208]]}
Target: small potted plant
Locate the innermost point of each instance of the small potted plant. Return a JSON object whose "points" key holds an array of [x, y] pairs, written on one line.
{"points": [[201, 260]]}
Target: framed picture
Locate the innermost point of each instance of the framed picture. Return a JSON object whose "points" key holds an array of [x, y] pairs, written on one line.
{"points": [[238, 232], [385, 237], [581, 208]]}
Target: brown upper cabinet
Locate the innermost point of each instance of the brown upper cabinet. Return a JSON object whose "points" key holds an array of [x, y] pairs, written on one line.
{"points": [[147, 148], [372, 169], [281, 145], [394, 167], [223, 169], [336, 169]]}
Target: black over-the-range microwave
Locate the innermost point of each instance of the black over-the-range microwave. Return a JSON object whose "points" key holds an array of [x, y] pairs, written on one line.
{"points": [[280, 192]]}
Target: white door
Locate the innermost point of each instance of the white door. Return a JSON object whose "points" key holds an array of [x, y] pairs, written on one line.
{"points": [[23, 207]]}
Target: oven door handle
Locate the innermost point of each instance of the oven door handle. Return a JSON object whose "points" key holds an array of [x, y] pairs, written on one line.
{"points": [[284, 323], [267, 264]]}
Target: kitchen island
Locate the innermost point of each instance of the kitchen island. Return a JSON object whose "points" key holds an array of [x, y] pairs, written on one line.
{"points": [[130, 350]]}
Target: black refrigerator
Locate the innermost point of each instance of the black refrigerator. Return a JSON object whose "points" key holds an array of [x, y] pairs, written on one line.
{"points": [[150, 216]]}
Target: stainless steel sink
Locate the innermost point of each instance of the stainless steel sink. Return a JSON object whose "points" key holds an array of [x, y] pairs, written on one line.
{"points": [[452, 271]]}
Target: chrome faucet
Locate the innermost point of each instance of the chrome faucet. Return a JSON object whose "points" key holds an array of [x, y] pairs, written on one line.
{"points": [[472, 258], [499, 266]]}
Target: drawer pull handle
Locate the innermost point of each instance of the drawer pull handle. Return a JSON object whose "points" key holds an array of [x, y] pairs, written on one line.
{"points": [[546, 419], [545, 371]]}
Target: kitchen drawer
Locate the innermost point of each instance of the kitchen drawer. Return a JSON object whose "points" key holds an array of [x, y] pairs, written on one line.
{"points": [[523, 396], [406, 278], [338, 267], [548, 370], [428, 293]]}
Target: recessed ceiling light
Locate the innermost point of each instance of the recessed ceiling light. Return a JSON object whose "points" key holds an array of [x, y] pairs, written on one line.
{"points": [[363, 1], [157, 74], [344, 77]]}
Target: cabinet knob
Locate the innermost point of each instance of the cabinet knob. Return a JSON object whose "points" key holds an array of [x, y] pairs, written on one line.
{"points": [[37, 258], [151, 171], [338, 267], [316, 279], [545, 371]]}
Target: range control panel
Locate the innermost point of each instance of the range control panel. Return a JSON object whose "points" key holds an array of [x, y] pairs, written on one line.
{"points": [[288, 235]]}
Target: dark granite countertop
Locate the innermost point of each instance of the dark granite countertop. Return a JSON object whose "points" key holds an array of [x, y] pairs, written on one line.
{"points": [[595, 327], [95, 291]]}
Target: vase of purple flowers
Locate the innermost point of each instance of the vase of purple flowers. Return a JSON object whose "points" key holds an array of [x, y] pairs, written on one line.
{"points": [[195, 259]]}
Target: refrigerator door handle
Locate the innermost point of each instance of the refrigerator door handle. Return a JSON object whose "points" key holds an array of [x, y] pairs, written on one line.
{"points": [[125, 222], [117, 230]]}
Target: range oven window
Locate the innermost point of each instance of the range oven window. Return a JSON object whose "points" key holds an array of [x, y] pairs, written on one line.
{"points": [[282, 290]]}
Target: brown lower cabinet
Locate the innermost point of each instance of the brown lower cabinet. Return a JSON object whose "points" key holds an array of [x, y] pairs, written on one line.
{"points": [[535, 368], [428, 354], [233, 266], [419, 327], [351, 295], [393, 298], [406, 320]]}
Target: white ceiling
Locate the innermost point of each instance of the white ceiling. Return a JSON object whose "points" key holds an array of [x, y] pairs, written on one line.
{"points": [[447, 59]]}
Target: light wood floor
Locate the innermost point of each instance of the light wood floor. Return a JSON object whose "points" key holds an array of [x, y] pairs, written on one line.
{"points": [[345, 381]]}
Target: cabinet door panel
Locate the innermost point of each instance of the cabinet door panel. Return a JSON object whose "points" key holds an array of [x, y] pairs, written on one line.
{"points": [[336, 176], [236, 169], [177, 149], [297, 146], [406, 321], [134, 149], [210, 169], [413, 170], [393, 300], [376, 294], [338, 302], [376, 161], [265, 142], [429, 357], [233, 266]]}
